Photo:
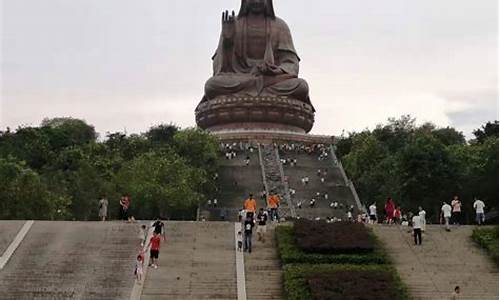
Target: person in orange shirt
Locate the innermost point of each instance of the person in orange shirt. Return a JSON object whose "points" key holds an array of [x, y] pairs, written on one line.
{"points": [[273, 203], [250, 205]]}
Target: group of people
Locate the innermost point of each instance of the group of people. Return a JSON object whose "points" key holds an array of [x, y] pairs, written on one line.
{"points": [[249, 218], [124, 208], [450, 214], [453, 213], [153, 246]]}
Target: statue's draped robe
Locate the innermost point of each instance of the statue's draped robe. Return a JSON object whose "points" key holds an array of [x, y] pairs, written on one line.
{"points": [[242, 81]]}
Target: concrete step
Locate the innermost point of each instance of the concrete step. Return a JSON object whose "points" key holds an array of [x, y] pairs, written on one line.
{"points": [[445, 260], [196, 262], [263, 269], [82, 260], [8, 231]]}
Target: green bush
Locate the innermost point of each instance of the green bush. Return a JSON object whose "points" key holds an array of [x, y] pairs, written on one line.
{"points": [[291, 253], [343, 282], [487, 238], [329, 238]]}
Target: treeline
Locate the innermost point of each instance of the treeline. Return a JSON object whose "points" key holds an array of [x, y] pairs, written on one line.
{"points": [[59, 171], [423, 165]]}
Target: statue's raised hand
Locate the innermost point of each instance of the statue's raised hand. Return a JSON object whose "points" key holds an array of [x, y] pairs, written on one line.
{"points": [[228, 25]]}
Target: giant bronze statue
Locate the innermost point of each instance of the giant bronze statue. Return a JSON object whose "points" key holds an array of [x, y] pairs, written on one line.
{"points": [[255, 83]]}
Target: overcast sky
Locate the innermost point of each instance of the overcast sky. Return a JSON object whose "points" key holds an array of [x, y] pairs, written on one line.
{"points": [[130, 64]]}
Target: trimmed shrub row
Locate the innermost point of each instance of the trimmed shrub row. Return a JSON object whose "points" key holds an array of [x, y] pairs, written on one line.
{"points": [[487, 238], [332, 238], [343, 282], [290, 253]]}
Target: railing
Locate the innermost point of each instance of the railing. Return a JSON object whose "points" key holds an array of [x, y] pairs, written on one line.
{"points": [[262, 168], [288, 198], [348, 182]]}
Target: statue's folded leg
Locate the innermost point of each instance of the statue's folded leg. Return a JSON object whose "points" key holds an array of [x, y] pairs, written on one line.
{"points": [[295, 87], [229, 84]]}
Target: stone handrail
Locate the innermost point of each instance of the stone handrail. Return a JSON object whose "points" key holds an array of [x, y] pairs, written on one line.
{"points": [[348, 182], [261, 162], [288, 198]]}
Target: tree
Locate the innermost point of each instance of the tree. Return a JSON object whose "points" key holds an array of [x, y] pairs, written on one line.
{"points": [[65, 132], [23, 195], [162, 134], [162, 184], [488, 130], [427, 173]]}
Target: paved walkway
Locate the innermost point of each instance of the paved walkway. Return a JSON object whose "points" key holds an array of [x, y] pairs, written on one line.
{"points": [[196, 262], [72, 260], [8, 231], [263, 269], [445, 260]]}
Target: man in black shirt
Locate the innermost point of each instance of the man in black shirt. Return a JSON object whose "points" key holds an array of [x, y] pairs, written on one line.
{"points": [[261, 225], [159, 227], [248, 227]]}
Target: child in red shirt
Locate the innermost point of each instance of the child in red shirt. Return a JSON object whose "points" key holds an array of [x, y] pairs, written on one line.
{"points": [[154, 252]]}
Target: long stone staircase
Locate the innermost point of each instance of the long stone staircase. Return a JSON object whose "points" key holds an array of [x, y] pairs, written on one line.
{"points": [[263, 269], [236, 181], [71, 260], [445, 260], [197, 261], [334, 185]]}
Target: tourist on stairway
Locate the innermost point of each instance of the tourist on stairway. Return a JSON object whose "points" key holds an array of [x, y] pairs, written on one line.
{"points": [[273, 203], [417, 229], [159, 227], [389, 210], [261, 225], [373, 213], [456, 215], [154, 252], [103, 208], [248, 226], [124, 207], [250, 205], [479, 209], [446, 215], [422, 213]]}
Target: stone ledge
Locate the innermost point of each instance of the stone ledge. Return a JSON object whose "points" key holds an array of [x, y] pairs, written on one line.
{"points": [[255, 113]]}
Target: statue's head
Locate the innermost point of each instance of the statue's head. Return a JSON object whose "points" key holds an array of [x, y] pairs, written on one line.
{"points": [[257, 7]]}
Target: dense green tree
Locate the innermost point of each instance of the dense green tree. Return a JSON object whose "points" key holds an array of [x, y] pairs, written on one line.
{"points": [[422, 165], [488, 130], [23, 195], [162, 134], [65, 132], [160, 184]]}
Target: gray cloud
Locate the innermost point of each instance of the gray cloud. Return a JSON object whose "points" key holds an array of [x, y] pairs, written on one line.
{"points": [[129, 63]]}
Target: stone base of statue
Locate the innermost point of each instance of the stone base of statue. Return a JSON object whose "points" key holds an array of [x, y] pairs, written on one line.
{"points": [[234, 113]]}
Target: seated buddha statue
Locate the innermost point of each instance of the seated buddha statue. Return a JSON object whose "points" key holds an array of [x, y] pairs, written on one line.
{"points": [[255, 56]]}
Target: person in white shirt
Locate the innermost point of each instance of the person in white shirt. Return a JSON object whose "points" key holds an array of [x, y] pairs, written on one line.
{"points": [[446, 215], [421, 213], [479, 207], [417, 229], [373, 213]]}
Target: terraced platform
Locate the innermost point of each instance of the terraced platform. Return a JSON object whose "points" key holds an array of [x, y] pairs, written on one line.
{"points": [[236, 182], [8, 231], [445, 260], [334, 186], [196, 262], [71, 260], [264, 278]]}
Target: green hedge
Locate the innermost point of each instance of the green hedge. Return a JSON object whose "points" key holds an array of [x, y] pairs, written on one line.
{"points": [[373, 280], [329, 238], [290, 253], [487, 238]]}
